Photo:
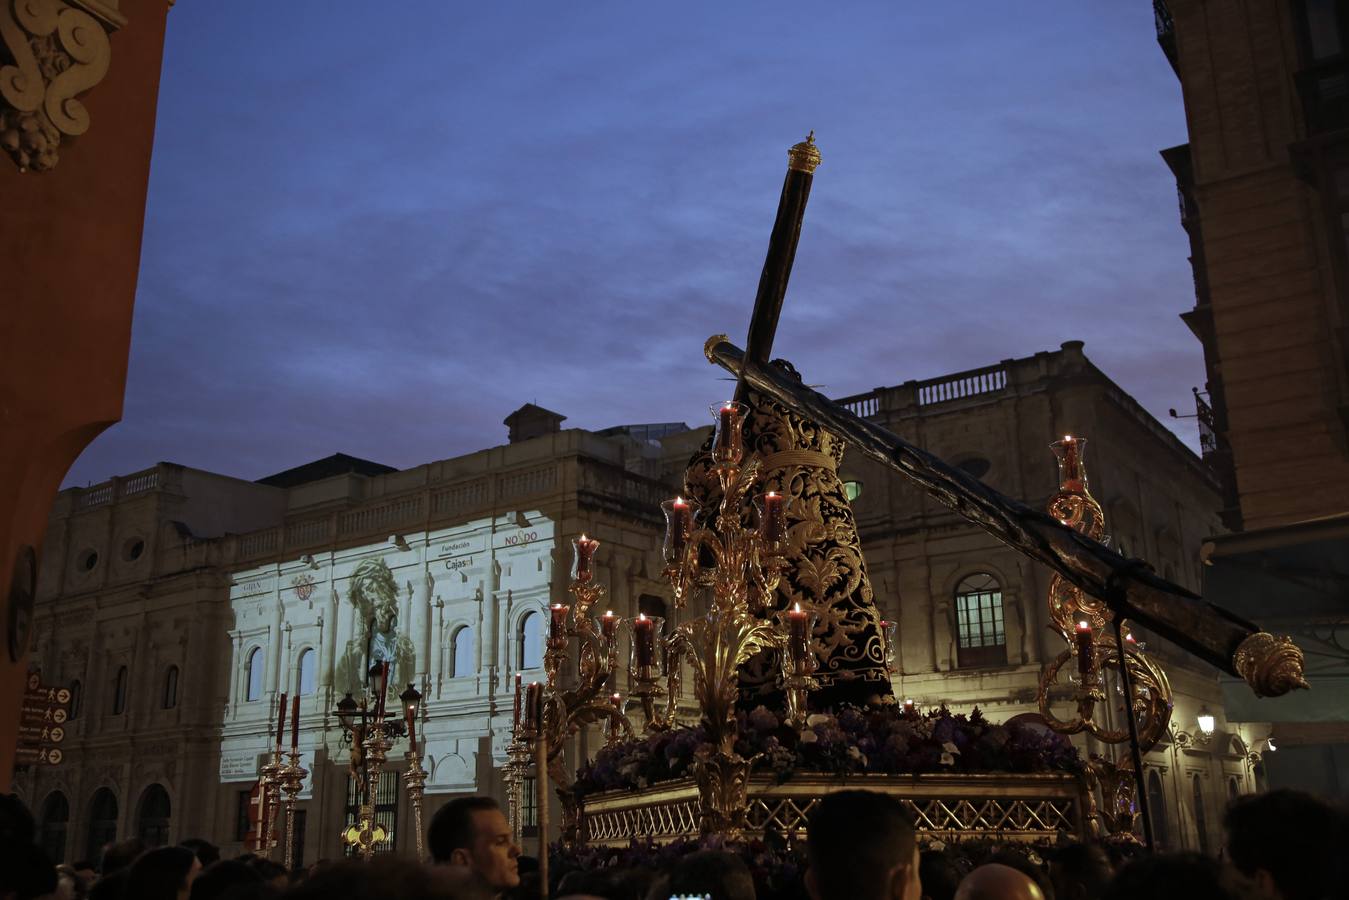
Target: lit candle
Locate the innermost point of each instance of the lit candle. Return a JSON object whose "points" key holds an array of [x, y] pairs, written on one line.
{"points": [[534, 707], [583, 569], [515, 721], [727, 441], [678, 525], [280, 719], [1071, 475], [1086, 652], [774, 524], [295, 723], [609, 624], [797, 621], [644, 640], [617, 701], [411, 716], [559, 626], [908, 706]]}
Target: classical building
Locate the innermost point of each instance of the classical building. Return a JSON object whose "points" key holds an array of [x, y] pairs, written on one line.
{"points": [[178, 604], [1264, 198]]}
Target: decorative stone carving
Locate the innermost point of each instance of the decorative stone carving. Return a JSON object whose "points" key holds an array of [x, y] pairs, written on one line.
{"points": [[50, 52]]}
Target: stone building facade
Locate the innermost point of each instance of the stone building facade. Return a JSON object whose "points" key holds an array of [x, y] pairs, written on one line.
{"points": [[1263, 183], [183, 603]]}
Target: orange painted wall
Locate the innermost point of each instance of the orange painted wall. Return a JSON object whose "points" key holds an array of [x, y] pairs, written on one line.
{"points": [[70, 242]]}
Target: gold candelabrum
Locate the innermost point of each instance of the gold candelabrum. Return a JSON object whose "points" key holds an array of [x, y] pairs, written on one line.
{"points": [[371, 733], [292, 779], [270, 779], [742, 567], [1143, 690]]}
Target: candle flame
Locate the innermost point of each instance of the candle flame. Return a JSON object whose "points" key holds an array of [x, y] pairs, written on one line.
{"points": [[908, 701], [1067, 437], [583, 537], [798, 607], [679, 501], [642, 616], [1084, 625], [608, 613]]}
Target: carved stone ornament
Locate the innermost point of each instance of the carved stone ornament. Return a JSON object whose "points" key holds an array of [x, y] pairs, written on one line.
{"points": [[1272, 665], [50, 52]]}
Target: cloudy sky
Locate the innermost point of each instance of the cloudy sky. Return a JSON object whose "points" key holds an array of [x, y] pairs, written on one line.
{"points": [[378, 229]]}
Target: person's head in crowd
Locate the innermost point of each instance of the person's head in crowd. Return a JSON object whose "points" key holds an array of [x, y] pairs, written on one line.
{"points": [[26, 872], [86, 871], [1017, 857], [998, 881], [68, 885], [473, 832], [861, 846], [939, 874], [165, 873], [705, 873], [271, 872], [109, 887], [1179, 876], [1079, 872], [120, 855], [207, 852], [1288, 842], [219, 877], [384, 878]]}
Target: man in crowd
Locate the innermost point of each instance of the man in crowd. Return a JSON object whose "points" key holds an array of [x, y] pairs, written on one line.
{"points": [[1289, 843], [473, 832], [861, 846]]}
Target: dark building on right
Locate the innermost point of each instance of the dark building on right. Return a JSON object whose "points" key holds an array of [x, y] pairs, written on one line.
{"points": [[1264, 198]]}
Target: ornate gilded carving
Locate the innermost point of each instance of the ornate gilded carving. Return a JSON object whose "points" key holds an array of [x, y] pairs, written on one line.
{"points": [[805, 156], [1272, 665], [53, 51], [825, 570]]}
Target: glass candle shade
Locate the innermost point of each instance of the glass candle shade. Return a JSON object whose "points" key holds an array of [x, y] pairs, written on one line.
{"points": [[728, 440], [797, 625], [890, 642], [645, 638], [1072, 471], [608, 625], [583, 558], [1086, 648], [557, 627], [678, 527], [533, 717], [772, 509]]}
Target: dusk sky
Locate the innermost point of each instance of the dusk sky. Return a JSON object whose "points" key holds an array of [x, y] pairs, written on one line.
{"points": [[378, 229]]}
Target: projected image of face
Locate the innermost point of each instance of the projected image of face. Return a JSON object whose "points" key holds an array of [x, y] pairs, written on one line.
{"points": [[374, 593]]}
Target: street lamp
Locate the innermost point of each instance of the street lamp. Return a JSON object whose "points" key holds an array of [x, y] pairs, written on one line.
{"points": [[1205, 721]]}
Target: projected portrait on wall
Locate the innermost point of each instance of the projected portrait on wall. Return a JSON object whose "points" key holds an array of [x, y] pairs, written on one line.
{"points": [[374, 594]]}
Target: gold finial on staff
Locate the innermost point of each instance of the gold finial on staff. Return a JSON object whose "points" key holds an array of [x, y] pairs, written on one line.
{"points": [[805, 156]]}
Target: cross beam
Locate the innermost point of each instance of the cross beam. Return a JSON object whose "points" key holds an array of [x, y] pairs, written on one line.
{"points": [[1211, 633]]}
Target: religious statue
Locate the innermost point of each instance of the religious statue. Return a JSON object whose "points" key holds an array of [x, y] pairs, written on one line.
{"points": [[374, 594]]}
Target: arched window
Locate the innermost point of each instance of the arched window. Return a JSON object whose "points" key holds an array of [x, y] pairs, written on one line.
{"points": [[102, 823], [171, 687], [152, 817], [980, 637], [253, 684], [1161, 831], [55, 818], [1200, 821], [463, 652], [529, 639], [305, 676], [119, 692], [76, 699]]}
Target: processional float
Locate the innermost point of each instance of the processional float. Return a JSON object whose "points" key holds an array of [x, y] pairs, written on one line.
{"points": [[738, 552]]}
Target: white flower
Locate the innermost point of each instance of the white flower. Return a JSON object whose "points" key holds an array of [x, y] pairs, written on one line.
{"points": [[950, 748], [939, 846], [817, 719], [808, 736], [947, 759]]}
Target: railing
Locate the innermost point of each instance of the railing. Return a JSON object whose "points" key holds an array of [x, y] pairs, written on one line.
{"points": [[117, 488], [862, 405], [532, 482], [1001, 807], [398, 512], [259, 542], [459, 497], [308, 532], [988, 380], [1166, 32]]}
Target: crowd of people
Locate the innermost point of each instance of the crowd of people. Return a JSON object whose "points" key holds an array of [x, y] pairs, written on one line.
{"points": [[860, 845]]}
